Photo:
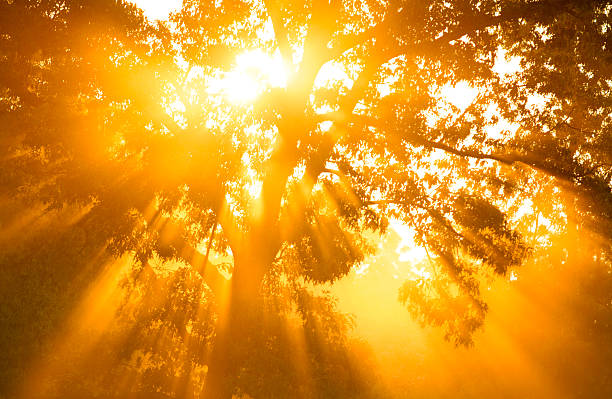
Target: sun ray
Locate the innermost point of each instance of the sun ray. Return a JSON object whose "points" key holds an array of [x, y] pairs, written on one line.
{"points": [[86, 325]]}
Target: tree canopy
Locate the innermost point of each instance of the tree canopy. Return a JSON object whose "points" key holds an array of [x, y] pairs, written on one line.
{"points": [[107, 112]]}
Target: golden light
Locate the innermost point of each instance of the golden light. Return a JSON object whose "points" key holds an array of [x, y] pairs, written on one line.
{"points": [[407, 249], [460, 95], [156, 9], [84, 327], [506, 66], [382, 320], [254, 72]]}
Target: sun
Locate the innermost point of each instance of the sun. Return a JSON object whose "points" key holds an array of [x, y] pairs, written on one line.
{"points": [[253, 73], [254, 70]]}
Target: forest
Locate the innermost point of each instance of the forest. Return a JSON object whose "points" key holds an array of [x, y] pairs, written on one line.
{"points": [[326, 199]]}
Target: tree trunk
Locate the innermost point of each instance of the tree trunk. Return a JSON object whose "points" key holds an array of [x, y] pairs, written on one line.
{"points": [[234, 327], [218, 381], [252, 259]]}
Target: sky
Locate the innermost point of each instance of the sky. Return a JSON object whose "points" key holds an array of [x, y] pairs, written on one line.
{"points": [[158, 9]]}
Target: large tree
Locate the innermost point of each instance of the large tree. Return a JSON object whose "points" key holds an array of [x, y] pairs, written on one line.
{"points": [[108, 112]]}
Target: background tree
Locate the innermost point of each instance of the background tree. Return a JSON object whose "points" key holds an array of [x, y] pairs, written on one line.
{"points": [[106, 112]]}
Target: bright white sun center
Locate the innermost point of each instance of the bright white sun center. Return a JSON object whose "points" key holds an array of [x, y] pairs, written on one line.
{"points": [[254, 72]]}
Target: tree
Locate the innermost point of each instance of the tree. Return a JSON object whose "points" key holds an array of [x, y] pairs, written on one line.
{"points": [[148, 335], [107, 111]]}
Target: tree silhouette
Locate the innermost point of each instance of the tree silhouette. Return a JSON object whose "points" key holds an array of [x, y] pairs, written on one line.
{"points": [[104, 110]]}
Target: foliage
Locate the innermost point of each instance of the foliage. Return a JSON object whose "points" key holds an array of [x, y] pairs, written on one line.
{"points": [[106, 111]]}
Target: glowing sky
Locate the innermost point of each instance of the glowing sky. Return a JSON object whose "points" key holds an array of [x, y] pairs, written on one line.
{"points": [[158, 9]]}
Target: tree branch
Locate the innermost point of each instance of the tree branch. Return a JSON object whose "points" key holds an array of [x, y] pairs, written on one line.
{"points": [[207, 270], [210, 241], [506, 159], [280, 32], [502, 158], [230, 227], [173, 242], [380, 55], [349, 42]]}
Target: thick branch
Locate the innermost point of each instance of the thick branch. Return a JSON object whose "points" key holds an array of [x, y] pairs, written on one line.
{"points": [[294, 124], [167, 121], [210, 241], [230, 227], [322, 24], [173, 241], [208, 271], [280, 32], [354, 40], [502, 158], [506, 159]]}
